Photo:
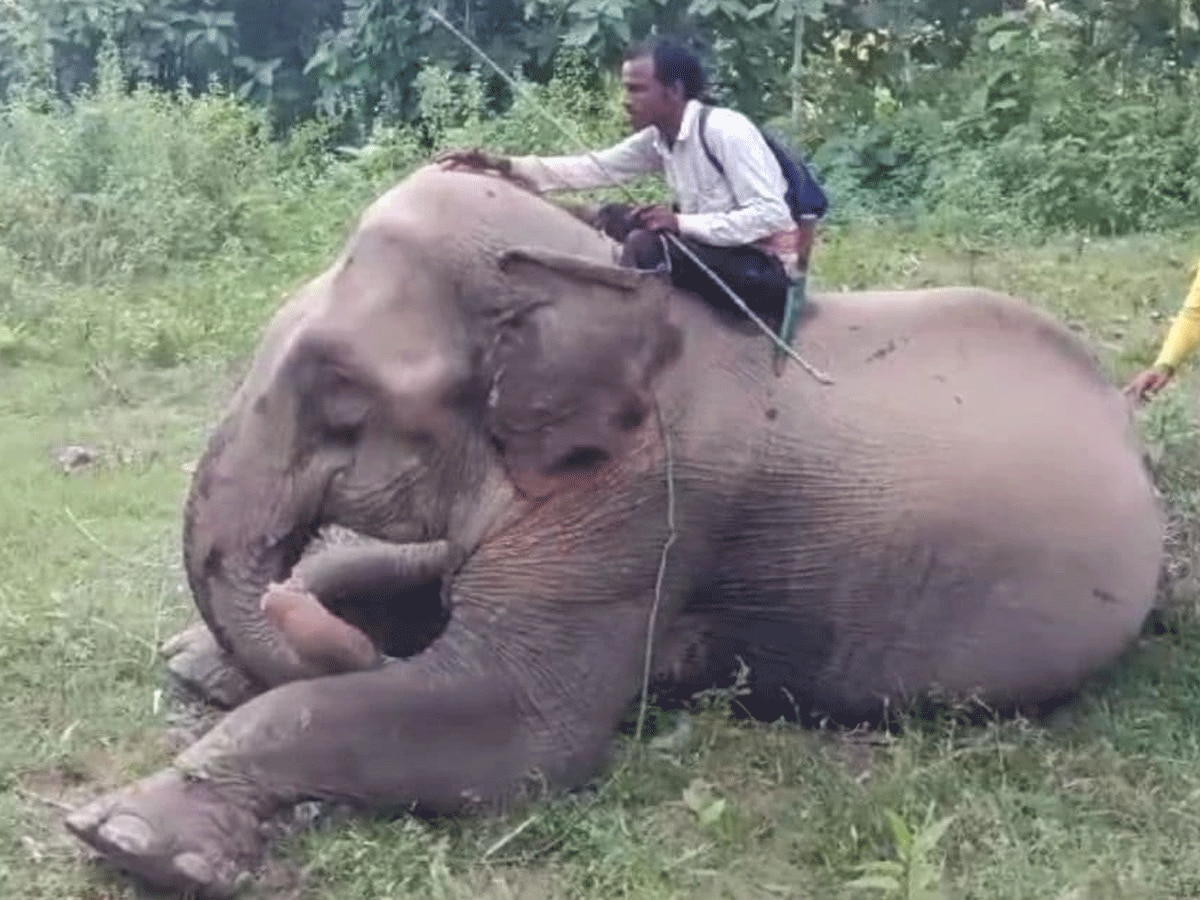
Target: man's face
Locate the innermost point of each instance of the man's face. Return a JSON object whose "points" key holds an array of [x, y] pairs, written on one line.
{"points": [[647, 100]]}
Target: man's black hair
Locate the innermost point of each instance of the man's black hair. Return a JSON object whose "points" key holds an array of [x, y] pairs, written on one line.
{"points": [[673, 61]]}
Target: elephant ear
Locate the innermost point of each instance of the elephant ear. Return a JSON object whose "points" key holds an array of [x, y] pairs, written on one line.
{"points": [[574, 364]]}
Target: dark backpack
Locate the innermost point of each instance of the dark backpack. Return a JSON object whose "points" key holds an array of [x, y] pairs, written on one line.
{"points": [[804, 196]]}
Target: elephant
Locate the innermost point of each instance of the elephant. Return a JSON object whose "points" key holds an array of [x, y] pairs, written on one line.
{"points": [[608, 488]]}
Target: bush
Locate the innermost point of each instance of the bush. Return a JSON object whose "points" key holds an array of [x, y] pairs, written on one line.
{"points": [[119, 182], [576, 109], [1022, 137]]}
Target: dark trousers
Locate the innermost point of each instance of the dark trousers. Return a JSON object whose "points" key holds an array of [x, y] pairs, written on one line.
{"points": [[757, 277]]}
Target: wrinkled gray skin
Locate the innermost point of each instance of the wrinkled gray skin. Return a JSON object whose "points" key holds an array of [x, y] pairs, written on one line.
{"points": [[964, 511]]}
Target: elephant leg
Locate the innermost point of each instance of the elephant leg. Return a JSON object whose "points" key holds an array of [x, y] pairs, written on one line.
{"points": [[196, 661], [389, 592], [343, 570], [364, 583], [397, 736], [324, 641], [513, 698], [220, 840]]}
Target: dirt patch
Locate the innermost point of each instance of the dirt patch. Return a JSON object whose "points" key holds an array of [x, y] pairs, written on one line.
{"points": [[48, 796], [55, 792], [90, 771]]}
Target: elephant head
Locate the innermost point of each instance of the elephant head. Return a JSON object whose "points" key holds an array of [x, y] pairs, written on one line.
{"points": [[412, 396]]}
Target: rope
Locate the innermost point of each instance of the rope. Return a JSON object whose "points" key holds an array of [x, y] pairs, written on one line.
{"points": [[674, 239], [662, 570], [766, 329]]}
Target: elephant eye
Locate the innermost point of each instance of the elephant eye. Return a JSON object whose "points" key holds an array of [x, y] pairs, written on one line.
{"points": [[343, 433], [344, 407], [582, 459]]}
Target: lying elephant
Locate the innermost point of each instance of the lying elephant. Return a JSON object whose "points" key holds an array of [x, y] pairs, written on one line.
{"points": [[586, 455]]}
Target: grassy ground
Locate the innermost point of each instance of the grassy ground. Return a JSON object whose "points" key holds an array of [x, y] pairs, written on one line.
{"points": [[1102, 802]]}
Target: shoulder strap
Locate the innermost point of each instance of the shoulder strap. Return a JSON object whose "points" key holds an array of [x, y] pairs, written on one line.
{"points": [[704, 111]]}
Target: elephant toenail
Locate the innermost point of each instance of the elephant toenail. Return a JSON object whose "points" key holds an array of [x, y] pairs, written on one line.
{"points": [[129, 834], [195, 868], [84, 821], [172, 645]]}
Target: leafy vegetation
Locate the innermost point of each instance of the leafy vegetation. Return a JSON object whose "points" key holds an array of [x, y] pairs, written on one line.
{"points": [[147, 230], [1015, 116]]}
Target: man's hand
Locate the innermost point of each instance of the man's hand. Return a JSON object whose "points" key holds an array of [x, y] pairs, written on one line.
{"points": [[656, 218], [616, 220], [1148, 383], [474, 159]]}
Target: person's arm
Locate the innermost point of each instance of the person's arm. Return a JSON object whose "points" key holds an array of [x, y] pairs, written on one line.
{"points": [[1180, 343], [633, 156], [1184, 336], [754, 177]]}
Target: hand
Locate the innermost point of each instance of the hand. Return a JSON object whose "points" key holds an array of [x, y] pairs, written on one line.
{"points": [[1148, 383], [474, 159], [616, 220], [657, 218]]}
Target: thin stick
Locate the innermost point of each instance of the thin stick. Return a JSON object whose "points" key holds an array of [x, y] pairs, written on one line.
{"points": [[779, 342], [575, 138], [159, 609], [508, 837], [95, 540], [674, 239], [101, 372], [156, 641], [47, 801], [662, 569], [125, 634]]}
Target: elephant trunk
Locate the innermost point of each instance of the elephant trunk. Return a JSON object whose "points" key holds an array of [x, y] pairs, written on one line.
{"points": [[247, 521]]}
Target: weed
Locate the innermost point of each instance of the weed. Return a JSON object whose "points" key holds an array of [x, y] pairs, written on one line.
{"points": [[912, 875]]}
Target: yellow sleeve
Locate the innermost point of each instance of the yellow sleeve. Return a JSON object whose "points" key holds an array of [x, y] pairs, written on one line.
{"points": [[1184, 335]]}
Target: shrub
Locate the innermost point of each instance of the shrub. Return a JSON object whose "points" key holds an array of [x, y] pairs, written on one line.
{"points": [[1022, 137], [117, 182]]}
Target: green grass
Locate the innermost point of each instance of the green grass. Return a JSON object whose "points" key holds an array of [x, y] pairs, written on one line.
{"points": [[1102, 802]]}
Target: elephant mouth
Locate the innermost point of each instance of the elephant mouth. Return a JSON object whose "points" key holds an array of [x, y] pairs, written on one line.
{"points": [[401, 620]]}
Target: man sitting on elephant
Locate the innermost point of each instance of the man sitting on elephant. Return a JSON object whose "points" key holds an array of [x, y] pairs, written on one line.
{"points": [[737, 223]]}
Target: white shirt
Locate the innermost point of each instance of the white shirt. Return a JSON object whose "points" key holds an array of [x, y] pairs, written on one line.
{"points": [[743, 206]]}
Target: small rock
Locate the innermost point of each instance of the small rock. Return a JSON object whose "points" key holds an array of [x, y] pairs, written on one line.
{"points": [[32, 848], [75, 457]]}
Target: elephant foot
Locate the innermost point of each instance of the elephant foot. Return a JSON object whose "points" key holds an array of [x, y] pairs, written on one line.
{"points": [[175, 834], [325, 642], [197, 662]]}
